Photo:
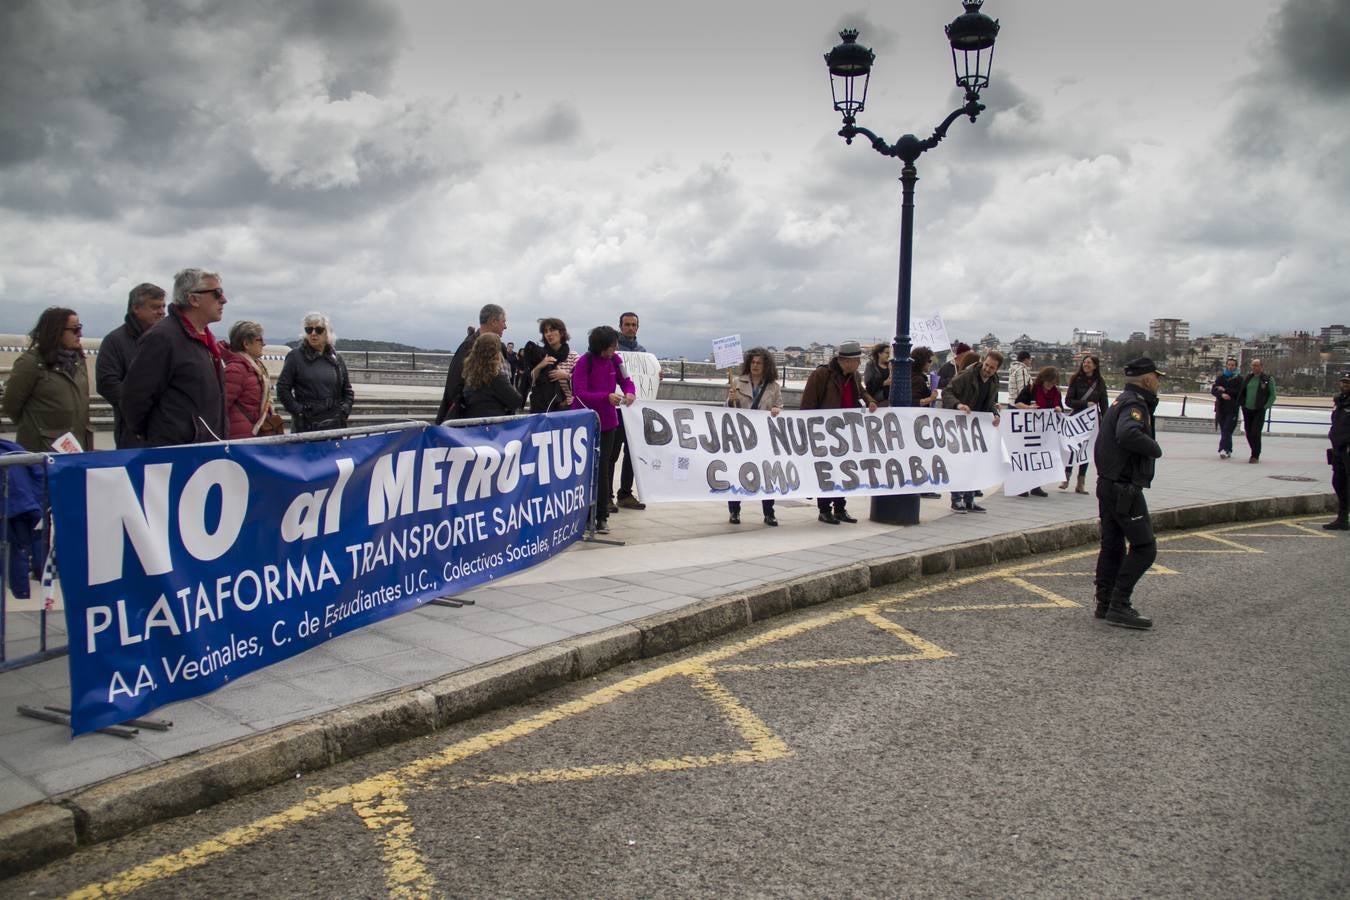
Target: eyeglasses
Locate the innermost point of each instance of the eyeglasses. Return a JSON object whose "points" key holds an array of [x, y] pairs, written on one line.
{"points": [[314, 329], [78, 329], [218, 293]]}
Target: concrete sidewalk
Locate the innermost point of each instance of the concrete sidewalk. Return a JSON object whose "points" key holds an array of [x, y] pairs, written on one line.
{"points": [[676, 557]]}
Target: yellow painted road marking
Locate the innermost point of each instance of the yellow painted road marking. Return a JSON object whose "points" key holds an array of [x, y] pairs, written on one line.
{"points": [[1227, 543], [370, 793], [1049, 596], [406, 874]]}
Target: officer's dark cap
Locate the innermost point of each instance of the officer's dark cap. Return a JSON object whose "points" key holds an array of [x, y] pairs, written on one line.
{"points": [[1345, 376], [1142, 366]]}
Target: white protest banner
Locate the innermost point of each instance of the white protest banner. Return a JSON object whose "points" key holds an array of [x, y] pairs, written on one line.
{"points": [[645, 370], [1078, 435], [930, 332], [727, 353], [693, 452], [1031, 447]]}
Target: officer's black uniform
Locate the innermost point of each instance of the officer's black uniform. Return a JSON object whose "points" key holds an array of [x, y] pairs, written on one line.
{"points": [[1339, 456], [1125, 454]]}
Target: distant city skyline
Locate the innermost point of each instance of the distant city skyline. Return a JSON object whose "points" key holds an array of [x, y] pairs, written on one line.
{"points": [[398, 163]]}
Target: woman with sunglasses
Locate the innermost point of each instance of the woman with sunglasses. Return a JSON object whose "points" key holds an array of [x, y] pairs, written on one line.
{"points": [[47, 393], [314, 385]]}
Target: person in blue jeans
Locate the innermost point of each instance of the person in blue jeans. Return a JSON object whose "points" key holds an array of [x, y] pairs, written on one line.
{"points": [[1227, 391]]}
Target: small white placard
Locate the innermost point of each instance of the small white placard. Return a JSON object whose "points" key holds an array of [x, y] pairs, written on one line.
{"points": [[66, 443], [727, 353]]}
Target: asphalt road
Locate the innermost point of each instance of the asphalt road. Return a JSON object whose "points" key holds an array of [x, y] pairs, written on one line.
{"points": [[979, 736]]}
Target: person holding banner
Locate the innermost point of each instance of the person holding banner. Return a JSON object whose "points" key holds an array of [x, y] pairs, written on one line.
{"points": [[1041, 393], [596, 380], [248, 393], [756, 388], [877, 375], [837, 386], [1126, 454], [314, 385], [974, 389], [47, 394], [549, 367], [1085, 388], [487, 390]]}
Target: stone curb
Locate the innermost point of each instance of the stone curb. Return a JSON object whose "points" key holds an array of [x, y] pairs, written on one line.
{"points": [[43, 832]]}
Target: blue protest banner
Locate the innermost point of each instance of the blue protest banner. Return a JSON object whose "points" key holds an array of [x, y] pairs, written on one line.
{"points": [[184, 568]]}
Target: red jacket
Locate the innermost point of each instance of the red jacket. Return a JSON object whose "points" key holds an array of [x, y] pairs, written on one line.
{"points": [[244, 397]]}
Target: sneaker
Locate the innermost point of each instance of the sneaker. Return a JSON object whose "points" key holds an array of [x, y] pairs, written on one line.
{"points": [[1126, 616], [1224, 454], [602, 527], [771, 521], [613, 507], [958, 508], [734, 518], [975, 507], [628, 501]]}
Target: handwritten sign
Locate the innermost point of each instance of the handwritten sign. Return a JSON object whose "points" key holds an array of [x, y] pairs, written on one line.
{"points": [[727, 353]]}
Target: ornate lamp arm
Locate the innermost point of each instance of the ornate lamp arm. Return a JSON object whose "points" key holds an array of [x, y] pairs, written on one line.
{"points": [[909, 148]]}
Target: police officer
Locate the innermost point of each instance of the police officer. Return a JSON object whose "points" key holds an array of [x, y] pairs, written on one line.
{"points": [[1339, 455], [1125, 454]]}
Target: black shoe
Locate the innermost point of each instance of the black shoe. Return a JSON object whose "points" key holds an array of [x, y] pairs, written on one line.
{"points": [[843, 516], [959, 508], [628, 501], [827, 518], [1103, 604], [929, 495], [975, 507], [613, 507], [1025, 494], [734, 518], [979, 493], [771, 521], [1341, 524], [1127, 616], [1038, 492]]}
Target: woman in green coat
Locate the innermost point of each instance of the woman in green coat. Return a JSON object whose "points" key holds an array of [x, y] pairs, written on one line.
{"points": [[47, 393]]}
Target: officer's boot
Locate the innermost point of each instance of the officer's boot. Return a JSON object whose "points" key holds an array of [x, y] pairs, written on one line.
{"points": [[1122, 613], [1340, 523], [1103, 603]]}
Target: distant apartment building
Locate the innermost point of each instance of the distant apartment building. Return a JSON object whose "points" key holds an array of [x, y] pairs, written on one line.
{"points": [[1210, 351], [1083, 339], [989, 342], [1169, 332], [1333, 335]]}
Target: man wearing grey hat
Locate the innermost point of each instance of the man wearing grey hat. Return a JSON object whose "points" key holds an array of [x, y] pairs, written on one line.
{"points": [[1125, 454], [837, 386], [1339, 455]]}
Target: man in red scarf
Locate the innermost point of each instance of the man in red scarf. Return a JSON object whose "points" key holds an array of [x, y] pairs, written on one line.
{"points": [[174, 391]]}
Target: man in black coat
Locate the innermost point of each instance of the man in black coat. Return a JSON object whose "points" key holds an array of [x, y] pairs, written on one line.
{"points": [[1125, 454], [1339, 455], [1227, 391], [145, 307], [174, 391], [490, 318]]}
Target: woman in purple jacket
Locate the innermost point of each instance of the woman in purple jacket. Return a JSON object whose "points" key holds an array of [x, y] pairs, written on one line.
{"points": [[596, 379]]}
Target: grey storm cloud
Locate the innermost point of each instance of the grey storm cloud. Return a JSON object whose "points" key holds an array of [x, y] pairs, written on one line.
{"points": [[222, 103], [1312, 38]]}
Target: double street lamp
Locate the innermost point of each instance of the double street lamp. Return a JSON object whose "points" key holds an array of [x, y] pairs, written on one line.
{"points": [[971, 36]]}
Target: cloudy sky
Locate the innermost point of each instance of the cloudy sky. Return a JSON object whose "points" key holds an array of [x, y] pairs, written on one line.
{"points": [[398, 163]]}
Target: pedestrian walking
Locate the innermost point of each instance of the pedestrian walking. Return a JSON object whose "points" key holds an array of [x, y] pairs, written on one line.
{"points": [[1126, 455], [1258, 396], [1339, 455], [1227, 391]]}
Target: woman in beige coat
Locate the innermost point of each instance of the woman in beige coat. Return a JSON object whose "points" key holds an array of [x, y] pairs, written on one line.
{"points": [[47, 393], [756, 388]]}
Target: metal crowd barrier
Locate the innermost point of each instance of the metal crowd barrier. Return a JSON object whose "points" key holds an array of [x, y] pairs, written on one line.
{"points": [[45, 647]]}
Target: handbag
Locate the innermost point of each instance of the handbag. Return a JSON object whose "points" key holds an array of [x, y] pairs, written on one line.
{"points": [[269, 423]]}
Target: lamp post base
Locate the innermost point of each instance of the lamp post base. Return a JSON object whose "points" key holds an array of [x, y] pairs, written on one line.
{"points": [[895, 509]]}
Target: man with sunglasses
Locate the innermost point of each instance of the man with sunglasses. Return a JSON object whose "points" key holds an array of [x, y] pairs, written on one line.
{"points": [[174, 390]]}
